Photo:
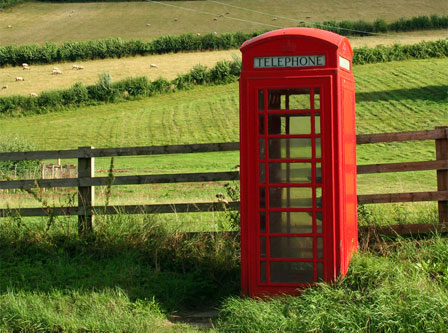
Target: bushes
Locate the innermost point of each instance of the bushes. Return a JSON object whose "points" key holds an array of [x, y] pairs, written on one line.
{"points": [[19, 168], [223, 72]]}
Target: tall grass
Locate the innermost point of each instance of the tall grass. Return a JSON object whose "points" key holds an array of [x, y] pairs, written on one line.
{"points": [[399, 288]]}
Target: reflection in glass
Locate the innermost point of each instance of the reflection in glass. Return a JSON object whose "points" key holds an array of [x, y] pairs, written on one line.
{"points": [[320, 271], [261, 124], [260, 100], [261, 148], [262, 197], [320, 247], [291, 272], [290, 173], [262, 222], [262, 174], [317, 123], [319, 222], [318, 148], [291, 247], [317, 99], [318, 197], [263, 247], [289, 124], [290, 197], [299, 148], [318, 173], [291, 222], [289, 99], [262, 271]]}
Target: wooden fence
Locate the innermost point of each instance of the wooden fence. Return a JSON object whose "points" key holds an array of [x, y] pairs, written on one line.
{"points": [[86, 180]]}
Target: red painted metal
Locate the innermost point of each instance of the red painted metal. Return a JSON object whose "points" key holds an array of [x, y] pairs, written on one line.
{"points": [[298, 160]]}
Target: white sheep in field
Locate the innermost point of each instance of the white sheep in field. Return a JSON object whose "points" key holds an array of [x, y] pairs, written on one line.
{"points": [[80, 67], [75, 66], [33, 94], [5, 87], [153, 66], [25, 65], [19, 78], [9, 26], [56, 71]]}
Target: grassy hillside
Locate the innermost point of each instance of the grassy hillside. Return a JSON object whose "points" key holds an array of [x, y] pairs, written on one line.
{"points": [[397, 96], [38, 22], [40, 78]]}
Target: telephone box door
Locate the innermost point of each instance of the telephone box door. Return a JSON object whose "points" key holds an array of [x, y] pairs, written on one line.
{"points": [[289, 233]]}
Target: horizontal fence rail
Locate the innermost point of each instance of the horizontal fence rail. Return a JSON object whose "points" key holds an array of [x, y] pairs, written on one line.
{"points": [[86, 180]]}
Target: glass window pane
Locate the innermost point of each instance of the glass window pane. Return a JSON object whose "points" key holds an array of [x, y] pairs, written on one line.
{"points": [[289, 99], [299, 148], [289, 124], [262, 174], [291, 247], [262, 197], [290, 173], [318, 148], [290, 197], [319, 222], [262, 271], [261, 149], [318, 173], [320, 247], [262, 222], [263, 247], [291, 222], [318, 197], [316, 99], [320, 271], [317, 123], [261, 124], [291, 272], [260, 100]]}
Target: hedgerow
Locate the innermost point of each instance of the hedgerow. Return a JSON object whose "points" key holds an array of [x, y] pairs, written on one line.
{"points": [[223, 72], [117, 47]]}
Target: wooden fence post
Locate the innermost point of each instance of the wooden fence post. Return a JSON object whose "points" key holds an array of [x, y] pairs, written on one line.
{"points": [[442, 175], [86, 194]]}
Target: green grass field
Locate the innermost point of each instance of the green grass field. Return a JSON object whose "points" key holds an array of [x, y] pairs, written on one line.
{"points": [[39, 22]]}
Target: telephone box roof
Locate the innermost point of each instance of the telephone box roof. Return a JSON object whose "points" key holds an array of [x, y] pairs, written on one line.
{"points": [[306, 33]]}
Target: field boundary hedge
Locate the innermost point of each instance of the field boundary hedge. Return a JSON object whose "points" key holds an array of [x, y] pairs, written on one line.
{"points": [[116, 47], [223, 72]]}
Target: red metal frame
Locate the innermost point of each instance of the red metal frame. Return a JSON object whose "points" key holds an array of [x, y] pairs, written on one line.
{"points": [[338, 157]]}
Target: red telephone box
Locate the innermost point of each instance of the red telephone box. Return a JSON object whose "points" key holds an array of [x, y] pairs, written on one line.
{"points": [[298, 160]]}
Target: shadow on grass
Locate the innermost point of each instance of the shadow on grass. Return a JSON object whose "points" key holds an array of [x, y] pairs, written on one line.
{"points": [[179, 272], [428, 93]]}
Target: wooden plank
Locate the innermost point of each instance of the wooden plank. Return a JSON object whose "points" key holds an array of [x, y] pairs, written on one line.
{"points": [[402, 197], [402, 167], [442, 175], [122, 180], [400, 136], [126, 151], [86, 194], [129, 209], [405, 229]]}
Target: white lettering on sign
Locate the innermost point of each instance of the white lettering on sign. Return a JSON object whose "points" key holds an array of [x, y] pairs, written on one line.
{"points": [[289, 61], [344, 63]]}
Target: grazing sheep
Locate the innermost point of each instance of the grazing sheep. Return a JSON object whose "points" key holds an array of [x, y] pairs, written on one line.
{"points": [[75, 66], [25, 65], [198, 34], [175, 20], [5, 87], [80, 67], [215, 33], [148, 25], [56, 71], [153, 66], [274, 19], [9, 26], [19, 78], [33, 94]]}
